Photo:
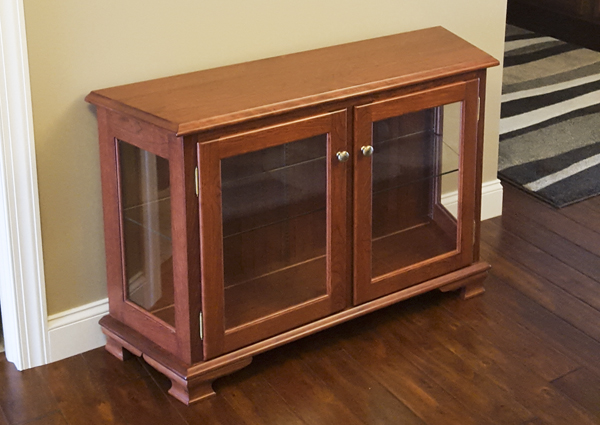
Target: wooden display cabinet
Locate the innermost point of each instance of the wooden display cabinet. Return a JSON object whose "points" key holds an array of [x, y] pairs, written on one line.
{"points": [[251, 205]]}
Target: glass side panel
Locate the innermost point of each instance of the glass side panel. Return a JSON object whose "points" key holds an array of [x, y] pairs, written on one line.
{"points": [[274, 229], [415, 170], [146, 204]]}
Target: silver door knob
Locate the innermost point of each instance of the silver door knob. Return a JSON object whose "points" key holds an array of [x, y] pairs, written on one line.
{"points": [[367, 150], [343, 156]]}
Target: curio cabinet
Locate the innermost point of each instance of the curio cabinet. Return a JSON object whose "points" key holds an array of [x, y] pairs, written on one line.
{"points": [[251, 205]]}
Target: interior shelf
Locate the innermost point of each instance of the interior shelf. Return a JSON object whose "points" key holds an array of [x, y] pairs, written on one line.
{"points": [[265, 295], [408, 247]]}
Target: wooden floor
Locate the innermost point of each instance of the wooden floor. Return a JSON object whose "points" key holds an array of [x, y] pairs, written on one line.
{"points": [[526, 352]]}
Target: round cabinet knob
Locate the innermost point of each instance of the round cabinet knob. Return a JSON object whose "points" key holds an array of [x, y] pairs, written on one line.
{"points": [[343, 156], [367, 150]]}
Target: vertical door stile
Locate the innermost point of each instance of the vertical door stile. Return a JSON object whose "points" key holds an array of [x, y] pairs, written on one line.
{"points": [[186, 254], [211, 248], [470, 188], [362, 204], [337, 207]]}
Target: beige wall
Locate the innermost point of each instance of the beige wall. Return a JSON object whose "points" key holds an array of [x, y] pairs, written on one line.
{"points": [[79, 45]]}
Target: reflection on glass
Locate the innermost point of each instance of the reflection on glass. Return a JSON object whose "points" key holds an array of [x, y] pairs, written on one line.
{"points": [[415, 171], [146, 206], [274, 229]]}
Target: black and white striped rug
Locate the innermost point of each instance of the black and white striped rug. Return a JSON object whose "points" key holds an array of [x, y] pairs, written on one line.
{"points": [[550, 120]]}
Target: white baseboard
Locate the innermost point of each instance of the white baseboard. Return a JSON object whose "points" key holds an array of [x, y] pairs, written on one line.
{"points": [[491, 200], [77, 330]]}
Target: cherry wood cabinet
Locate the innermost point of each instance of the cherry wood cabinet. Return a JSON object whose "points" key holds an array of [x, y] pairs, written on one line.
{"points": [[251, 205]]}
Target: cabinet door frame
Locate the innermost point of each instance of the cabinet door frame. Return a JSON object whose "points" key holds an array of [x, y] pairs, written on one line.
{"points": [[367, 288], [115, 127], [217, 339]]}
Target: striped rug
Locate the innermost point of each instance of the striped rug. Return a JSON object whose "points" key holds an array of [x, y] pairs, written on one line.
{"points": [[550, 120]]}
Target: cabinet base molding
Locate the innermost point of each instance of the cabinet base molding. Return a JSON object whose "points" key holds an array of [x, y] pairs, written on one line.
{"points": [[469, 287], [192, 383]]}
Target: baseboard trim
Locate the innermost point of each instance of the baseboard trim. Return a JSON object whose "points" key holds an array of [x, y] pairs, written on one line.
{"points": [[491, 200], [76, 331]]}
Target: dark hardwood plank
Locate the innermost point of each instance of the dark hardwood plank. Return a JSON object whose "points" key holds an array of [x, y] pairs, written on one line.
{"points": [[535, 421], [557, 246], [367, 398], [383, 358], [55, 418], [557, 332], [522, 386], [103, 364], [506, 334], [530, 209], [130, 390], [465, 378], [583, 213], [142, 402], [593, 203], [80, 399], [252, 398], [544, 292], [583, 386], [307, 396], [520, 251], [25, 395]]}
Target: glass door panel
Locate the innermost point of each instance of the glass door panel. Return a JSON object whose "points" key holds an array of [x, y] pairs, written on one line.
{"points": [[415, 188], [274, 229], [146, 212], [414, 171]]}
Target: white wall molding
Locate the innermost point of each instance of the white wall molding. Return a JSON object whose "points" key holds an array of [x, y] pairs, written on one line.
{"points": [[22, 287], [491, 200], [77, 330]]}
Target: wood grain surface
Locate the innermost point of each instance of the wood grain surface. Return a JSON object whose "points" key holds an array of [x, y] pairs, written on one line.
{"points": [[201, 100]]}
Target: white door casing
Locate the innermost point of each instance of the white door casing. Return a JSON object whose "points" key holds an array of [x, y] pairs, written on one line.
{"points": [[22, 287]]}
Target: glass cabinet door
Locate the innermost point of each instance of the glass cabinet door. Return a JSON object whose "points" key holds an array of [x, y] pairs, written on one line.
{"points": [[413, 167], [146, 226], [274, 209], [277, 245]]}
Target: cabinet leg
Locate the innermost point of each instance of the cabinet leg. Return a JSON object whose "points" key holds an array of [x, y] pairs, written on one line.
{"points": [[472, 290], [192, 390], [119, 348], [469, 288], [198, 385]]}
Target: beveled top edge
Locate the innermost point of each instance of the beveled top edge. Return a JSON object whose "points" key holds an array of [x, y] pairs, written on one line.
{"points": [[202, 100]]}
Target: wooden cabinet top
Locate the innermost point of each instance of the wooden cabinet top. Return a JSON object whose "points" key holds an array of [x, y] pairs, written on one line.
{"points": [[207, 99]]}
